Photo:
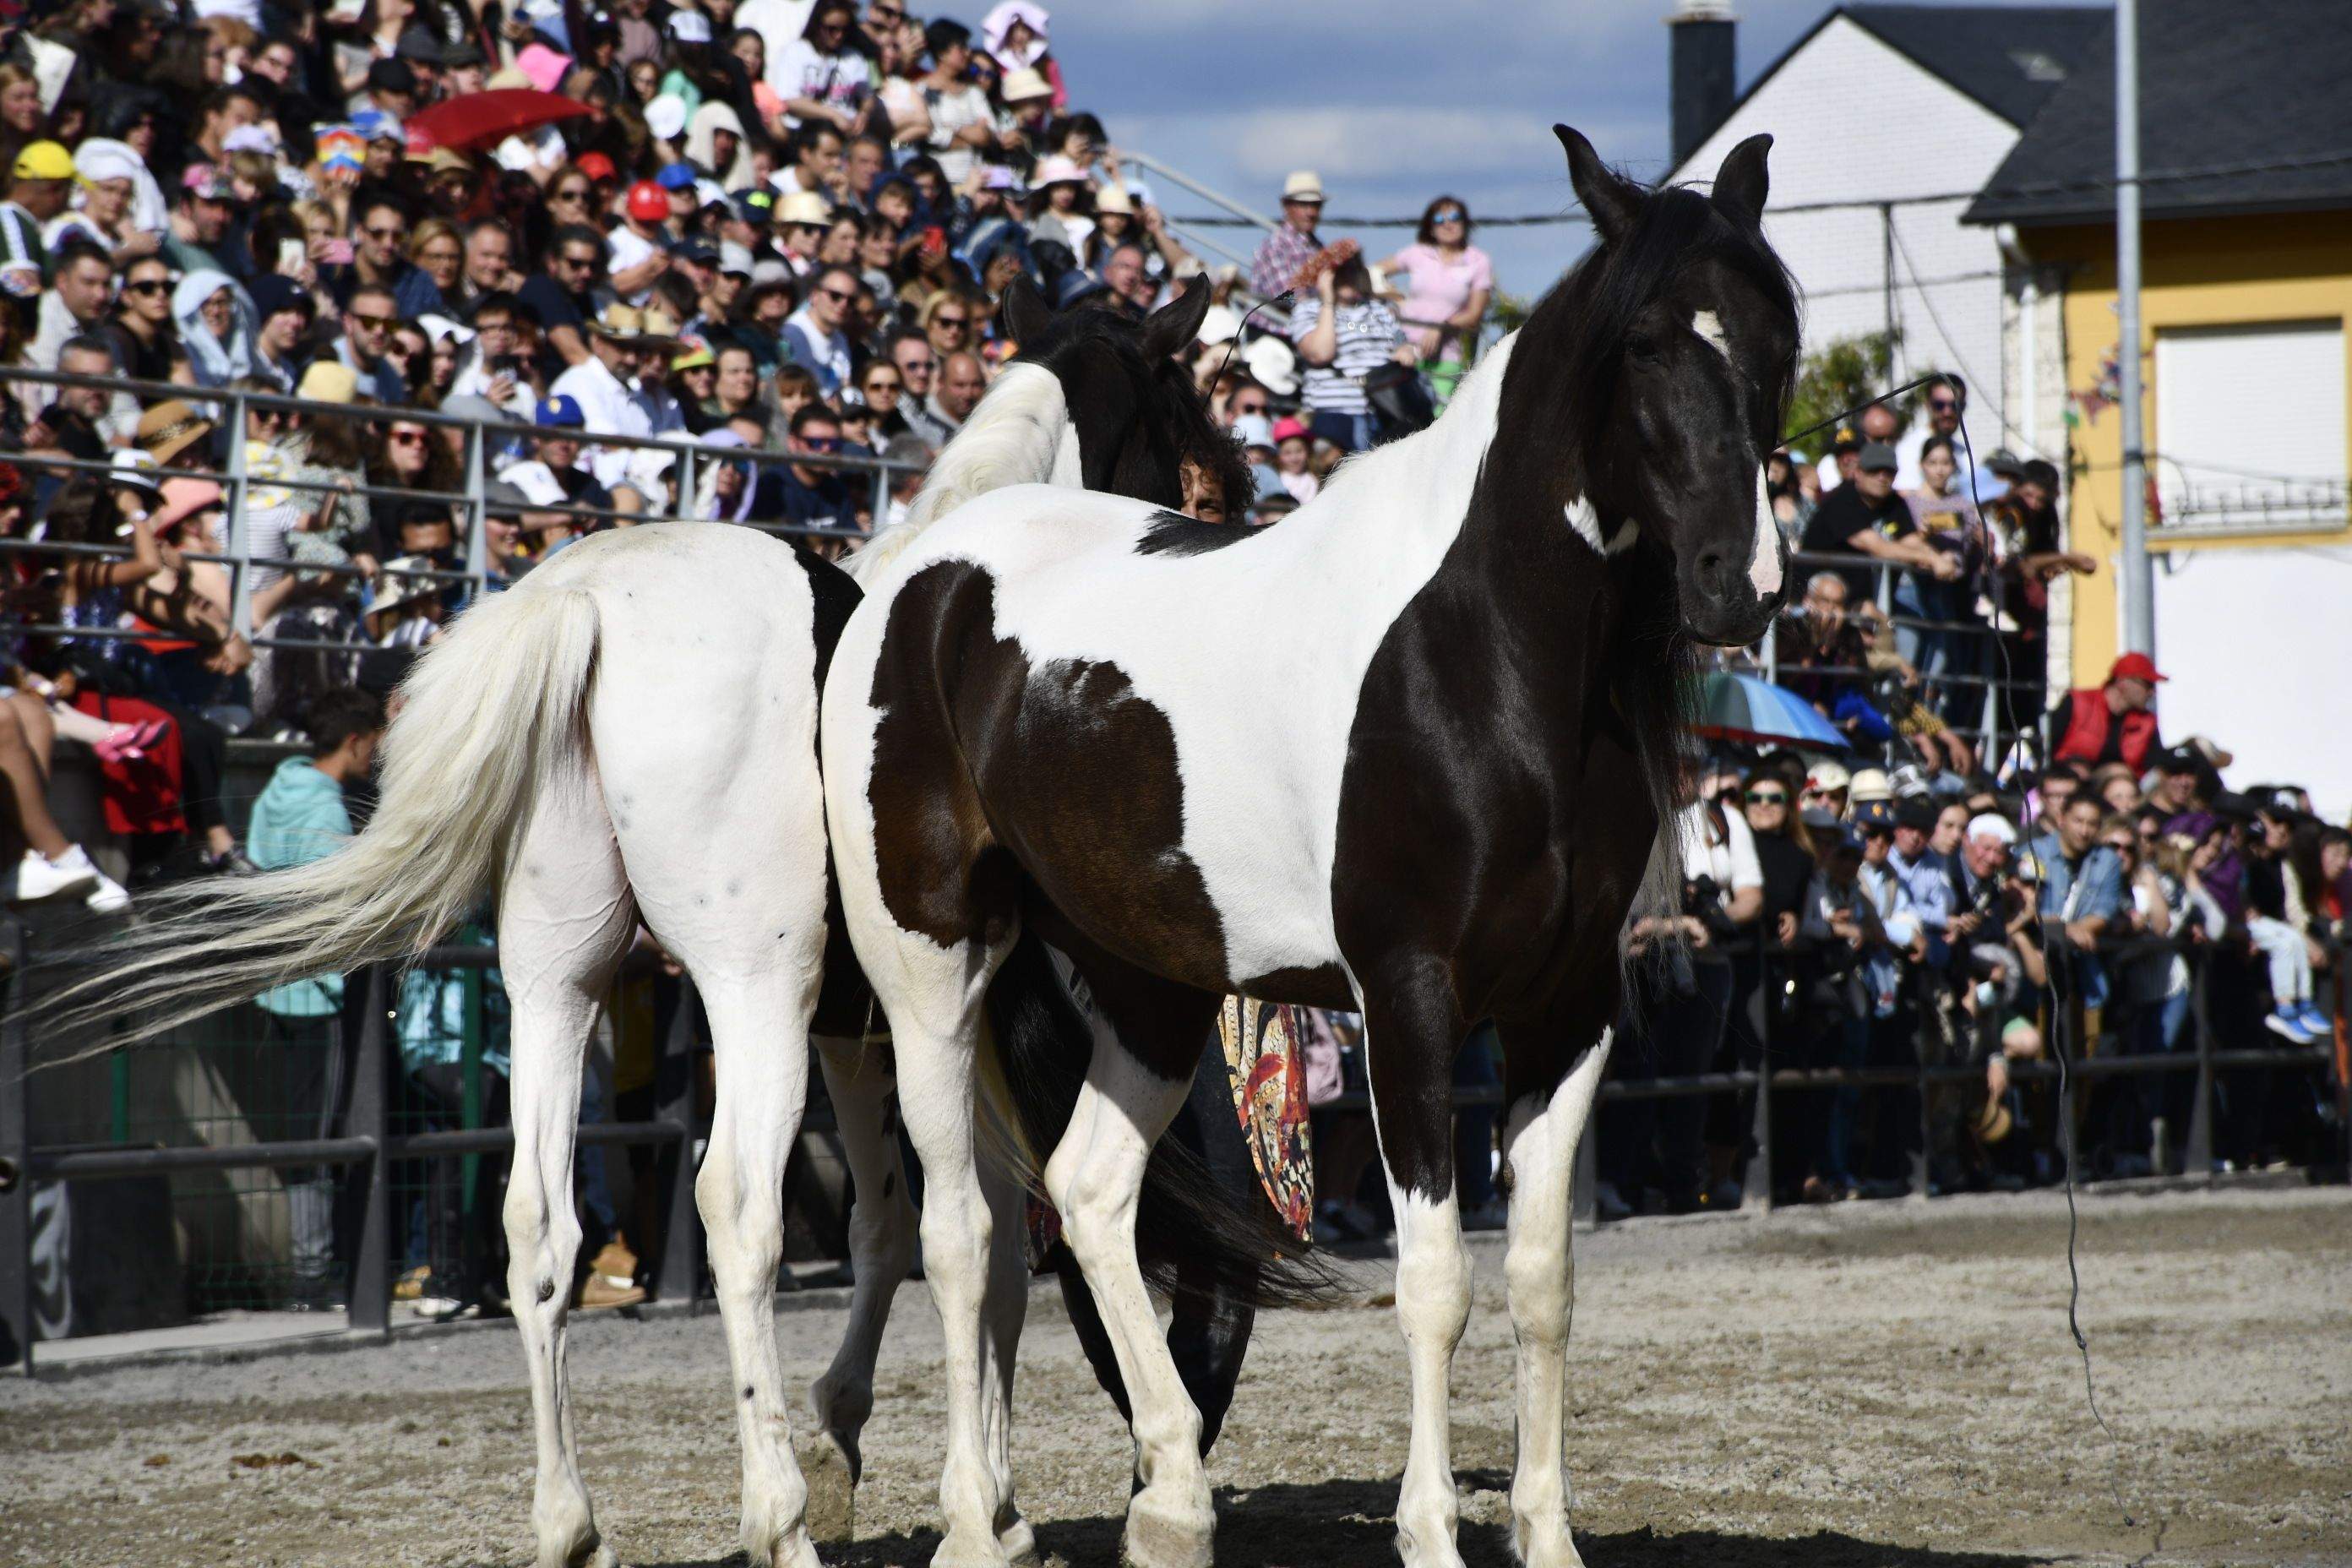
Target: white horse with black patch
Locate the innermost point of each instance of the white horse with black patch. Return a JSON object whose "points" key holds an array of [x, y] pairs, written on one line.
{"points": [[630, 734], [1408, 751]]}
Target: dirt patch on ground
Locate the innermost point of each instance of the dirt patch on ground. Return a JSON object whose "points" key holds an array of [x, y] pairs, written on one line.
{"points": [[1883, 1384]]}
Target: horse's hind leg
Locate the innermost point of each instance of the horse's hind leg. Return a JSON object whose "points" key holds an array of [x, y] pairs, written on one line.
{"points": [[564, 922], [1136, 1082], [860, 1078]]}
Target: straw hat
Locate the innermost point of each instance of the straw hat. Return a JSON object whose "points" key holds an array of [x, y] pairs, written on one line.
{"points": [[397, 585], [1302, 185], [1114, 199], [804, 207], [329, 380], [626, 323], [1025, 84], [170, 428]]}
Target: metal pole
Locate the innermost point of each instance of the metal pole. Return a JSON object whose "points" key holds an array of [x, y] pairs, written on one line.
{"points": [[2197, 1155], [2139, 575], [881, 498], [1886, 292], [369, 1304], [16, 1166], [1145, 160], [1756, 1186], [478, 532], [680, 1275], [683, 506], [240, 539]]}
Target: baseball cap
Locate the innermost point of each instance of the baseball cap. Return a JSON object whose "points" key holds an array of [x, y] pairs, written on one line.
{"points": [[1827, 776], [1877, 814], [735, 258], [1878, 456], [675, 177], [464, 52], [560, 412], [597, 166], [1992, 825], [2136, 667], [44, 161], [647, 202], [2182, 759], [1845, 440], [699, 251], [375, 126], [1255, 430], [2003, 462], [206, 183], [755, 206], [501, 498], [689, 26]]}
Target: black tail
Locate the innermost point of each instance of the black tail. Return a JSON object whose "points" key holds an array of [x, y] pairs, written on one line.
{"points": [[1235, 1247]]}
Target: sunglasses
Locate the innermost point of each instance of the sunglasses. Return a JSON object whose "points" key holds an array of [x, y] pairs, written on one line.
{"points": [[947, 320], [375, 323], [822, 443], [407, 437], [1942, 405], [384, 233], [1449, 217], [841, 294], [884, 383], [1767, 797], [147, 286], [569, 195]]}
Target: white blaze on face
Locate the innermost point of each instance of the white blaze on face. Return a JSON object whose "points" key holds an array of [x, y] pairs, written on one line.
{"points": [[1709, 327], [1764, 570], [1764, 565]]}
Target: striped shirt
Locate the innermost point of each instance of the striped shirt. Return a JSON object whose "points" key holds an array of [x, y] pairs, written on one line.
{"points": [[1368, 333]]}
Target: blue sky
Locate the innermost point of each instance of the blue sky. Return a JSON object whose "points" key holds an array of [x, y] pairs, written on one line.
{"points": [[1394, 103]]}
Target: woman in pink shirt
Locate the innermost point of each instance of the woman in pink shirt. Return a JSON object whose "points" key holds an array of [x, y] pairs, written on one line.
{"points": [[1451, 281]]}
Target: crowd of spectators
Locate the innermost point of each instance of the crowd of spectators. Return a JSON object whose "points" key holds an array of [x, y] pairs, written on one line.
{"points": [[778, 227]]}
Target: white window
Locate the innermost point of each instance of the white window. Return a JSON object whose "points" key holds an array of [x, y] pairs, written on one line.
{"points": [[2250, 431]]}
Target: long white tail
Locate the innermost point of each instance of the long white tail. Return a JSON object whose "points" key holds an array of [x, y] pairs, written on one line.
{"points": [[494, 712]]}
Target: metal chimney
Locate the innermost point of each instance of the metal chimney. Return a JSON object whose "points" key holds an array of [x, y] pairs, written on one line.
{"points": [[1704, 76]]}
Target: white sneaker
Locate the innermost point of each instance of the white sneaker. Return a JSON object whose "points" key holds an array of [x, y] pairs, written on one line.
{"points": [[38, 877], [108, 897]]}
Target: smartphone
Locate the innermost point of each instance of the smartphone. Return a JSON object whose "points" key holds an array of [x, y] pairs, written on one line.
{"points": [[291, 254], [338, 253], [935, 240]]}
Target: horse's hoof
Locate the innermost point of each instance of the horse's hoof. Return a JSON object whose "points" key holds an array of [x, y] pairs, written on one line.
{"points": [[1162, 1533], [832, 1477], [1020, 1544], [1545, 1546]]}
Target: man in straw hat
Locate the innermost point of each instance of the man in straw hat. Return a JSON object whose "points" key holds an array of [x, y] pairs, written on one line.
{"points": [[600, 384], [1286, 249]]}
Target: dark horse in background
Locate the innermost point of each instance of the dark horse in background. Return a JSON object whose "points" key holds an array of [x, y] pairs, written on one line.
{"points": [[1411, 752]]}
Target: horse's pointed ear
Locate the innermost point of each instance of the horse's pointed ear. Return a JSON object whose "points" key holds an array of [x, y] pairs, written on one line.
{"points": [[1171, 328], [1743, 182], [1613, 200], [1026, 312]]}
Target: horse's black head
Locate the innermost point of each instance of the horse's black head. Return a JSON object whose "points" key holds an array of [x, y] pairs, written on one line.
{"points": [[1137, 414], [1678, 333]]}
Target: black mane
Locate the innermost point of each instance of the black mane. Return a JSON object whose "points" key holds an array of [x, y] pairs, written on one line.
{"points": [[1172, 423]]}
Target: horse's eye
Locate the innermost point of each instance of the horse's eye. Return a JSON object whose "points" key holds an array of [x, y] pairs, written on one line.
{"points": [[1642, 350]]}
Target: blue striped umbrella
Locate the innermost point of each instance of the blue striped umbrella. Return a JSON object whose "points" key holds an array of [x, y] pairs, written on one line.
{"points": [[1744, 707]]}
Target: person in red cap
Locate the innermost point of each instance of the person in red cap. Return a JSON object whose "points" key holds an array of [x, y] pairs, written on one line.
{"points": [[640, 247], [2111, 723]]}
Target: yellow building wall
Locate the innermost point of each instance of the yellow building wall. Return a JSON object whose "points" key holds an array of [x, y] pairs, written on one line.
{"points": [[2201, 272]]}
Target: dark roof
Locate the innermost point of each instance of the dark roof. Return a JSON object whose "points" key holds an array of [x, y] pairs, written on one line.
{"points": [[2009, 58], [2223, 85]]}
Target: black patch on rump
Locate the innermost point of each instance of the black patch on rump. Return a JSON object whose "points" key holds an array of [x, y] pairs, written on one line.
{"points": [[1173, 533], [1058, 767]]}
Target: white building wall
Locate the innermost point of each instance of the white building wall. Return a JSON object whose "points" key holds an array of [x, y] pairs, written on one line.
{"points": [[1854, 120]]}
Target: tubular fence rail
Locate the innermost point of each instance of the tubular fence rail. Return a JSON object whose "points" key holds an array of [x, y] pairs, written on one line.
{"points": [[369, 1140], [480, 438]]}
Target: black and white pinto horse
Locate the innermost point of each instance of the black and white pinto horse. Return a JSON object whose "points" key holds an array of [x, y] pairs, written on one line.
{"points": [[630, 734], [1409, 751]]}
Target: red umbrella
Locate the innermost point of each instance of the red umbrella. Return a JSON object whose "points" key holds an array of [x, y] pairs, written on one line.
{"points": [[484, 119]]}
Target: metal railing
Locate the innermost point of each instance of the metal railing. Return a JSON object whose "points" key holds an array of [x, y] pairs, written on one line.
{"points": [[1924, 1076], [369, 1140], [480, 437]]}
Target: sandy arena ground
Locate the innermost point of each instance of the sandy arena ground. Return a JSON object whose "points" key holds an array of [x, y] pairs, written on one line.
{"points": [[1881, 1383]]}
